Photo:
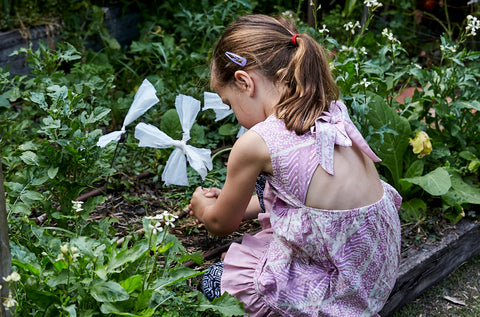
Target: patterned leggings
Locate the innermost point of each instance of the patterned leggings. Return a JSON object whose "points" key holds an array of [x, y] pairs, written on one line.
{"points": [[213, 276]]}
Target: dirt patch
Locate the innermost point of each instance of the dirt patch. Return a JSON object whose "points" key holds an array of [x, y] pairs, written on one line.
{"points": [[147, 198]]}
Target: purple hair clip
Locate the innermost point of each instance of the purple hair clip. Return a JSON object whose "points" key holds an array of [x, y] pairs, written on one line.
{"points": [[237, 59]]}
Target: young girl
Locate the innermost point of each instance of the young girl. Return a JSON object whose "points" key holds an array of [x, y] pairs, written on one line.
{"points": [[330, 244]]}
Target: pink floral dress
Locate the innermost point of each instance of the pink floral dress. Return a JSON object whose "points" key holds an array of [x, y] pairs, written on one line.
{"points": [[308, 261]]}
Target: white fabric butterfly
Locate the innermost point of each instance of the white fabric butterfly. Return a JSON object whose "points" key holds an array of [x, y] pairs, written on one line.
{"points": [[144, 99], [213, 101], [175, 171]]}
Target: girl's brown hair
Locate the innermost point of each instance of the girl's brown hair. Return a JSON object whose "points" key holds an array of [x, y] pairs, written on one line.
{"points": [[266, 44]]}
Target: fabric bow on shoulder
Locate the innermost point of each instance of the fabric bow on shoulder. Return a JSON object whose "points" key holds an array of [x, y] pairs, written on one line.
{"points": [[144, 99], [335, 127], [175, 171]]}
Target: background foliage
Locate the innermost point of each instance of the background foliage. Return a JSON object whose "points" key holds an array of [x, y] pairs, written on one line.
{"points": [[51, 119]]}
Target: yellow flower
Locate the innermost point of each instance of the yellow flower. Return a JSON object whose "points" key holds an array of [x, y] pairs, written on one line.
{"points": [[421, 144]]}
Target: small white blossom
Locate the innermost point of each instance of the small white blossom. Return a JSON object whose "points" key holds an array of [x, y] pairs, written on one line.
{"points": [[365, 83], [323, 29], [351, 27], [473, 24], [156, 228], [418, 66], [389, 36], [64, 248], [349, 49], [374, 4], [156, 217], [9, 302], [13, 277], [77, 206], [169, 219], [363, 50], [452, 48], [60, 257]]}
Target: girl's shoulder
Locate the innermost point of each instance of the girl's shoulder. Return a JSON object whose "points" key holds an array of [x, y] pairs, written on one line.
{"points": [[270, 125]]}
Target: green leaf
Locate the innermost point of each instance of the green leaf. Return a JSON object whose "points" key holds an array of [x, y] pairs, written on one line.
{"points": [[122, 309], [71, 310], [175, 276], [415, 169], [39, 98], [21, 208], [461, 192], [473, 104], [29, 158], [29, 196], [108, 291], [22, 257], [226, 305], [228, 129], [436, 183], [4, 103], [52, 172], [170, 124], [61, 278], [132, 283], [393, 147], [97, 115], [127, 255], [413, 210]]}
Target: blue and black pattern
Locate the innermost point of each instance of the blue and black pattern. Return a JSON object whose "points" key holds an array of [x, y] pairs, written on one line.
{"points": [[259, 188], [211, 281]]}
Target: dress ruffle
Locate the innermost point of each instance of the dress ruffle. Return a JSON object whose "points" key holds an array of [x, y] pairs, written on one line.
{"points": [[239, 268]]}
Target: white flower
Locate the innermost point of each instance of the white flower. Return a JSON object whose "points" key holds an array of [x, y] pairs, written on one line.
{"points": [[157, 227], [418, 66], [60, 257], [13, 277], [9, 302], [374, 4], [77, 206], [349, 49], [389, 36], [444, 48], [156, 217], [169, 218], [64, 248], [351, 27], [363, 50], [365, 83], [473, 24], [323, 30]]}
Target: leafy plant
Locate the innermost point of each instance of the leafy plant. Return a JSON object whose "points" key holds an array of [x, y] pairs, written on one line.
{"points": [[67, 274]]}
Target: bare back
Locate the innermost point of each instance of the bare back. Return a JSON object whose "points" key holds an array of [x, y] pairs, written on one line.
{"points": [[355, 183]]}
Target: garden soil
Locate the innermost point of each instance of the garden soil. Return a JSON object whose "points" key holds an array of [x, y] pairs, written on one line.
{"points": [[144, 197]]}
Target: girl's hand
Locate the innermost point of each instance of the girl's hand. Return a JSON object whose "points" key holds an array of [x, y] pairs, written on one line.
{"points": [[201, 199]]}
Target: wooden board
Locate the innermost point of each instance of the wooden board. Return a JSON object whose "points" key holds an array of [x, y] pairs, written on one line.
{"points": [[427, 267]]}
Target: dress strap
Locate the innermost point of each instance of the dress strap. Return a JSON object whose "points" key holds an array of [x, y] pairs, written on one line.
{"points": [[341, 131]]}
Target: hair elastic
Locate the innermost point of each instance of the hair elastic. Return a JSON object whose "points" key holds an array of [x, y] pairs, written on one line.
{"points": [[237, 59], [294, 39]]}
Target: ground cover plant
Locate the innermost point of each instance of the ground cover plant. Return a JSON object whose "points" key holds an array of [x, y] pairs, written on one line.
{"points": [[51, 121]]}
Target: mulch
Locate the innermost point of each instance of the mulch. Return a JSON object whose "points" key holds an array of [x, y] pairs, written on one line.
{"points": [[144, 197]]}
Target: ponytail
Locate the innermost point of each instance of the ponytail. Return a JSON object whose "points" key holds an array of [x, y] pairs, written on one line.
{"points": [[273, 47]]}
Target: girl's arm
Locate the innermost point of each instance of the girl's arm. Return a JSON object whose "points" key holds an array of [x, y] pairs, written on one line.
{"points": [[223, 214], [253, 208]]}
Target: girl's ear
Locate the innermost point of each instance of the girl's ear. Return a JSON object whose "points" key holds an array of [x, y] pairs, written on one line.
{"points": [[244, 82]]}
